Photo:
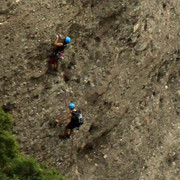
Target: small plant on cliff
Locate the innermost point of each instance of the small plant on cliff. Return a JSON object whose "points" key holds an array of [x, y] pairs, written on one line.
{"points": [[8, 144], [13, 165]]}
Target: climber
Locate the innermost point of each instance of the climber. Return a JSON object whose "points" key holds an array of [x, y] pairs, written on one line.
{"points": [[60, 43], [76, 121]]}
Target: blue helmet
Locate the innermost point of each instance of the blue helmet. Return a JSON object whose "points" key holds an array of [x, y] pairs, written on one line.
{"points": [[71, 106], [67, 39]]}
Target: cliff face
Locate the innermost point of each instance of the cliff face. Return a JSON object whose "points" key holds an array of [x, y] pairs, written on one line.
{"points": [[122, 68]]}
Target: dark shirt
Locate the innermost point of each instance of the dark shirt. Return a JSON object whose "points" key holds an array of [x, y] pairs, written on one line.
{"points": [[61, 48]]}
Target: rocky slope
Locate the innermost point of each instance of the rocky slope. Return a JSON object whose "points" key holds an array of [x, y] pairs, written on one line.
{"points": [[121, 69]]}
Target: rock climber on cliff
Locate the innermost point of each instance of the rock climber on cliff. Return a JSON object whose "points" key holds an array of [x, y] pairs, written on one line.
{"points": [[76, 121], [60, 43]]}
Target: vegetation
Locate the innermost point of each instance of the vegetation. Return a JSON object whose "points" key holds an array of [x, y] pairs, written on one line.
{"points": [[13, 165]]}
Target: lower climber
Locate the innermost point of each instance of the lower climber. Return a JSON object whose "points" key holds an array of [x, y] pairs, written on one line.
{"points": [[76, 121]]}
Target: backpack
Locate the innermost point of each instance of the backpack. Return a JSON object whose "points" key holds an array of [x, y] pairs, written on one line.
{"points": [[77, 118]]}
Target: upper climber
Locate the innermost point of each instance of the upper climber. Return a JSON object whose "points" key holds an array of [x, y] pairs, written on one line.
{"points": [[60, 43]]}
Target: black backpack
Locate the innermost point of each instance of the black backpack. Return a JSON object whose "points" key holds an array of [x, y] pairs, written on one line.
{"points": [[77, 118]]}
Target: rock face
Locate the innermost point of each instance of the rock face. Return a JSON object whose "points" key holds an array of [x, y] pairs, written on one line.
{"points": [[121, 70]]}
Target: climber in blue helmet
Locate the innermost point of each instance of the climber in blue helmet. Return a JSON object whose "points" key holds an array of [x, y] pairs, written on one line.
{"points": [[76, 121], [60, 43]]}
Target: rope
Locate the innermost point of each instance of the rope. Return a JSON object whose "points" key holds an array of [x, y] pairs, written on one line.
{"points": [[71, 132], [66, 97]]}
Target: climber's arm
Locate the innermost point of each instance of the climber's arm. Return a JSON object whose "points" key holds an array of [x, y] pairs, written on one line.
{"points": [[66, 118], [56, 42]]}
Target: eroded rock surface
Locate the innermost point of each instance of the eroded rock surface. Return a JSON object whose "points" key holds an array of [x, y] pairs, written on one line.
{"points": [[121, 69]]}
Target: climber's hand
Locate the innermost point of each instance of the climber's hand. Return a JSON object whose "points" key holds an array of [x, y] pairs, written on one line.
{"points": [[57, 121]]}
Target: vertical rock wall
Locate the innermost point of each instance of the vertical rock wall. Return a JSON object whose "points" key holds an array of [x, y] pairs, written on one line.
{"points": [[123, 71]]}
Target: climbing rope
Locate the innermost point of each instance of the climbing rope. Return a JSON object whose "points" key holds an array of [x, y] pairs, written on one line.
{"points": [[66, 99]]}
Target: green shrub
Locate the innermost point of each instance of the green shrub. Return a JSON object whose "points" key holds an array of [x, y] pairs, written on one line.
{"points": [[13, 165], [3, 176], [8, 147], [8, 144], [28, 169], [25, 168], [5, 120]]}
